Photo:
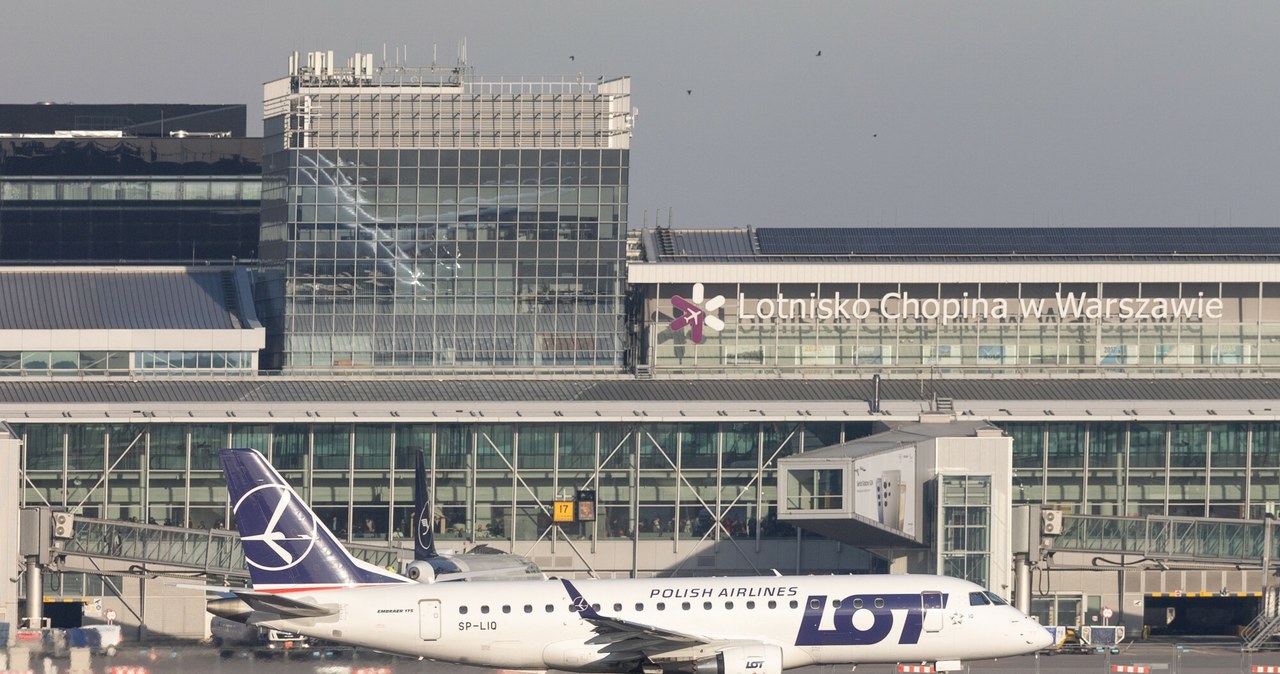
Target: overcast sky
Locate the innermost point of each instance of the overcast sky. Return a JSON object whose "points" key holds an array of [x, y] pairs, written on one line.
{"points": [[937, 114]]}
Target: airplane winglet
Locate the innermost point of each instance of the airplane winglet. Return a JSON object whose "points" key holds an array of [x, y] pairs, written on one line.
{"points": [[580, 603]]}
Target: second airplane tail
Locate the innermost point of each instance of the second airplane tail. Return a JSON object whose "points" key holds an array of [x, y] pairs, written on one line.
{"points": [[424, 538], [285, 544]]}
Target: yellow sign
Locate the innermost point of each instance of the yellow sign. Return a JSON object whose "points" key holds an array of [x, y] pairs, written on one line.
{"points": [[563, 511]]}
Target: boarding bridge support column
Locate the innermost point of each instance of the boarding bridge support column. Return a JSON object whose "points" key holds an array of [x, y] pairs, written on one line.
{"points": [[1022, 582], [10, 453]]}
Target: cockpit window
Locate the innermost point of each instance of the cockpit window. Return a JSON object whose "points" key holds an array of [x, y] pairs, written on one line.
{"points": [[996, 599], [978, 599]]}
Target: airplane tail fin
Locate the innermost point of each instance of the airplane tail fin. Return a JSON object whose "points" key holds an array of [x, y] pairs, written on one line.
{"points": [[285, 544], [424, 538]]}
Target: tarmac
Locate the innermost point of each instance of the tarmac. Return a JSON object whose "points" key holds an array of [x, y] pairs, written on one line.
{"points": [[1203, 657]]}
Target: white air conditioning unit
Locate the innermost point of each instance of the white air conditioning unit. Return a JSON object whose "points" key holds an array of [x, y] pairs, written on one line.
{"points": [[1050, 522], [62, 522]]}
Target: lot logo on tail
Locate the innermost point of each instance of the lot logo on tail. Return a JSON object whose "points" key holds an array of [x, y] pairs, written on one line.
{"points": [[287, 536], [697, 315]]}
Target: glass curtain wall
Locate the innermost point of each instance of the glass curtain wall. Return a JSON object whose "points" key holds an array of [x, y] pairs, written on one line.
{"points": [[489, 482], [447, 260]]}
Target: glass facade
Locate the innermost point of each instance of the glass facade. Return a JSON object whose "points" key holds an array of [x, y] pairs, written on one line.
{"points": [[965, 538], [1193, 469], [516, 262], [971, 328], [134, 200], [660, 481], [489, 482], [474, 228]]}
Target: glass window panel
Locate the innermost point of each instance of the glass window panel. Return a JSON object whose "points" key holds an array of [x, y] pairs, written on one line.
{"points": [[1230, 444], [206, 442], [168, 447], [289, 447], [373, 447], [1147, 445], [332, 446]]}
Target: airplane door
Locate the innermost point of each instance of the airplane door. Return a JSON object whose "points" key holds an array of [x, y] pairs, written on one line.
{"points": [[932, 603], [429, 619]]}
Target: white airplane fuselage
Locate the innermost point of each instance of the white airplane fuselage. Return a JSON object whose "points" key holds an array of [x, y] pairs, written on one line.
{"points": [[811, 619]]}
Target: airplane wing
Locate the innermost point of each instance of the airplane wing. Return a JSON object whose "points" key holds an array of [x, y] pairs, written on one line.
{"points": [[648, 640], [282, 606]]}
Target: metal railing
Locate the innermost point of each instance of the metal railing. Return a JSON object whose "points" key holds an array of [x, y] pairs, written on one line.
{"points": [[213, 552], [1169, 537]]}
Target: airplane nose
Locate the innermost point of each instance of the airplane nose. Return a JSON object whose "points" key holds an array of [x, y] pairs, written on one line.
{"points": [[1039, 637]]}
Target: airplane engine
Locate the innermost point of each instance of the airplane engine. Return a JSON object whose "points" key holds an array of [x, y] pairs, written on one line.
{"points": [[421, 572], [752, 659]]}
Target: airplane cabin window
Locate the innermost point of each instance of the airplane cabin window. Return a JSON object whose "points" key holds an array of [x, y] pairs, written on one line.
{"points": [[550, 608], [835, 603], [484, 609], [814, 603], [639, 606], [795, 604], [978, 599], [879, 602], [857, 603], [706, 605], [773, 604], [595, 607], [506, 609], [728, 605], [617, 607], [751, 604], [528, 608], [462, 610], [662, 606], [685, 606], [996, 599]]}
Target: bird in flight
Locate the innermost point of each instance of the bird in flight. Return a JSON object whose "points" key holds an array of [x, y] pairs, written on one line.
{"points": [[571, 57], [819, 52], [688, 91]]}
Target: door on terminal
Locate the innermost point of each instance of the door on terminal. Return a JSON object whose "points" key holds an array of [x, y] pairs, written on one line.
{"points": [[429, 619], [932, 602], [1058, 609]]}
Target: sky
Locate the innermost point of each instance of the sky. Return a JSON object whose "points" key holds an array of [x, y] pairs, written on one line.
{"points": [[1089, 113]]}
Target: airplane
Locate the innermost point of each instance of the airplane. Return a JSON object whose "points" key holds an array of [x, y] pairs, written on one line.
{"points": [[430, 565], [724, 625]]}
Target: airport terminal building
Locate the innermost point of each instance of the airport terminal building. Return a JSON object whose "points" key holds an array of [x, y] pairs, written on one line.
{"points": [[1141, 389], [444, 267]]}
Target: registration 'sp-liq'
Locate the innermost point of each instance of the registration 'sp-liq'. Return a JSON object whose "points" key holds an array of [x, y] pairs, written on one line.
{"points": [[305, 581]]}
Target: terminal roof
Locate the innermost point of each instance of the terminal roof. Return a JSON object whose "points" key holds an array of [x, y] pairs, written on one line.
{"points": [[104, 298], [790, 244]]}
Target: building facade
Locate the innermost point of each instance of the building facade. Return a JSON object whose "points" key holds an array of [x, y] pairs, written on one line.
{"points": [[132, 184], [426, 221]]}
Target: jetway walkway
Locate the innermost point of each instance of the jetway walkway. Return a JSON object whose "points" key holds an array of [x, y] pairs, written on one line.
{"points": [[1172, 539], [102, 545]]}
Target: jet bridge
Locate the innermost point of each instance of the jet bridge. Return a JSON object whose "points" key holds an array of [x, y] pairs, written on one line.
{"points": [[148, 571], [154, 550]]}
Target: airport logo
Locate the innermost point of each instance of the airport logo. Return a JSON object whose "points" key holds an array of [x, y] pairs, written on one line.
{"points": [[288, 534], [696, 313]]}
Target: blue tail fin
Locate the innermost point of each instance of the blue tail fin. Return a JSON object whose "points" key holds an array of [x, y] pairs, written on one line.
{"points": [[285, 544], [424, 538]]}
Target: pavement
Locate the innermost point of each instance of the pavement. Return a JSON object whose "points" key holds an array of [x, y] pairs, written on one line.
{"points": [[1200, 657]]}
